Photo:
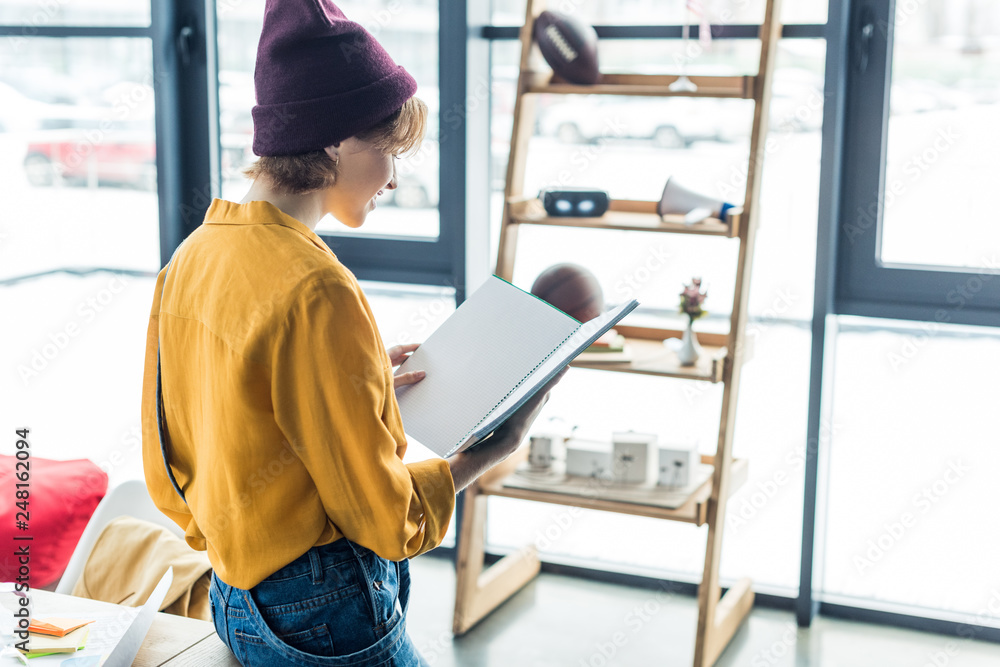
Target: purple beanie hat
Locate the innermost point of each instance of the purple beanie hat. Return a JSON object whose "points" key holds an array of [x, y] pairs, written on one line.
{"points": [[320, 78]]}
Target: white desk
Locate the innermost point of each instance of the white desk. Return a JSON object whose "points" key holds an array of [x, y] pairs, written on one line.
{"points": [[172, 640]]}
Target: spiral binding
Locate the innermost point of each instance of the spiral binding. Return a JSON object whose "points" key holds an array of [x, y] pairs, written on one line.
{"points": [[513, 389]]}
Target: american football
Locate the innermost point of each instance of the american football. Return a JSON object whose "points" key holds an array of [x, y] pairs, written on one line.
{"points": [[569, 46]]}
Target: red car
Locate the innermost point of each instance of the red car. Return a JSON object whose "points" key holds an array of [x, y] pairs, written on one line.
{"points": [[93, 152]]}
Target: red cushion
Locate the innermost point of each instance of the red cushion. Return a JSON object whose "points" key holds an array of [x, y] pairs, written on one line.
{"points": [[63, 495]]}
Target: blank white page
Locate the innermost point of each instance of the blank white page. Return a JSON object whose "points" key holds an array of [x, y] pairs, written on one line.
{"points": [[474, 359], [577, 342]]}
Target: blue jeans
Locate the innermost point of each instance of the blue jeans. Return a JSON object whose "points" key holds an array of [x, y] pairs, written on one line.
{"points": [[337, 604]]}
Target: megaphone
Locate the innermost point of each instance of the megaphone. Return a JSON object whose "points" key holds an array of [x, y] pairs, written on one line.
{"points": [[694, 206]]}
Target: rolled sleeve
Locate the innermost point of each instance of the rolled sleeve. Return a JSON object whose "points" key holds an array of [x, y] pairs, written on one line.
{"points": [[331, 392]]}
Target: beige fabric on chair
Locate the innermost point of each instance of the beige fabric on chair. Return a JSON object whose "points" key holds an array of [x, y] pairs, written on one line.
{"points": [[129, 558]]}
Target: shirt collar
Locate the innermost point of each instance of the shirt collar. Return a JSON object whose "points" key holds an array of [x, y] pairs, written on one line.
{"points": [[223, 212]]}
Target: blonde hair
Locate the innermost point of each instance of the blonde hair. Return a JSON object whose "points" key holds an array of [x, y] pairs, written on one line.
{"points": [[402, 132]]}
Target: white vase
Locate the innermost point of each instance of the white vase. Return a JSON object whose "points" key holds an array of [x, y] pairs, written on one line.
{"points": [[689, 350]]}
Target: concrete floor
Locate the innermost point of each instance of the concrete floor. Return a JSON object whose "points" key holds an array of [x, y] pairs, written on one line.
{"points": [[570, 622]]}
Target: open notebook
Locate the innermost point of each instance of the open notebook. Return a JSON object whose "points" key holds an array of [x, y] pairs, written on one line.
{"points": [[496, 350]]}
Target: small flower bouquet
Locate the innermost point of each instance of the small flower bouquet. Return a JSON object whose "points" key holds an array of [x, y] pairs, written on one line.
{"points": [[691, 299]]}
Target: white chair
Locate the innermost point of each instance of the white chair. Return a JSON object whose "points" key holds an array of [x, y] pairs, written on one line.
{"points": [[127, 499]]}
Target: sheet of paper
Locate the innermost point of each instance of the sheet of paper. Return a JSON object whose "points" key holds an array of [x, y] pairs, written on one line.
{"points": [[474, 359], [580, 340], [128, 647], [104, 634]]}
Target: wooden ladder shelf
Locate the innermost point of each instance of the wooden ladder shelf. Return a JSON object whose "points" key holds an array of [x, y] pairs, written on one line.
{"points": [[480, 590]]}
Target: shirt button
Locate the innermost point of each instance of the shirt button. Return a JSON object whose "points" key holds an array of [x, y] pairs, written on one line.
{"points": [[377, 585]]}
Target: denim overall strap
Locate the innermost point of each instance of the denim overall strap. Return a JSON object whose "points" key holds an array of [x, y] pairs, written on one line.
{"points": [[161, 424]]}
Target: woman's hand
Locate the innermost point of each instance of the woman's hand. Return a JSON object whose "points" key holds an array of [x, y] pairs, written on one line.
{"points": [[397, 355], [473, 462]]}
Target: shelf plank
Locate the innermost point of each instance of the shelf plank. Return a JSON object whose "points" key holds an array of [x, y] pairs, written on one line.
{"points": [[691, 512], [624, 215], [652, 357], [657, 85], [694, 510]]}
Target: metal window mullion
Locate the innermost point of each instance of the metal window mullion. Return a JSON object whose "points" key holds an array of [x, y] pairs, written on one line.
{"points": [[187, 138], [452, 87], [823, 324]]}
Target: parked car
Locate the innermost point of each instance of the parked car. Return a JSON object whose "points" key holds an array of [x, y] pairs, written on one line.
{"points": [[669, 123], [92, 151]]}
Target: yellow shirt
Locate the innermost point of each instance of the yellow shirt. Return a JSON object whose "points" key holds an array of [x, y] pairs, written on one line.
{"points": [[282, 423]]}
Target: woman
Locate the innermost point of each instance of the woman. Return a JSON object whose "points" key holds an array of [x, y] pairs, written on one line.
{"points": [[271, 432]]}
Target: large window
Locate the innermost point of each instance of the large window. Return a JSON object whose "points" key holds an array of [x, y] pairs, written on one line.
{"points": [[912, 449], [79, 232], [79, 154], [922, 98], [908, 432]]}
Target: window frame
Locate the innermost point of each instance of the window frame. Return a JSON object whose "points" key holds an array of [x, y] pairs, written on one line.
{"points": [[865, 285]]}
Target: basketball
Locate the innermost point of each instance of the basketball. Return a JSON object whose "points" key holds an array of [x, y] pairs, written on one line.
{"points": [[572, 289]]}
